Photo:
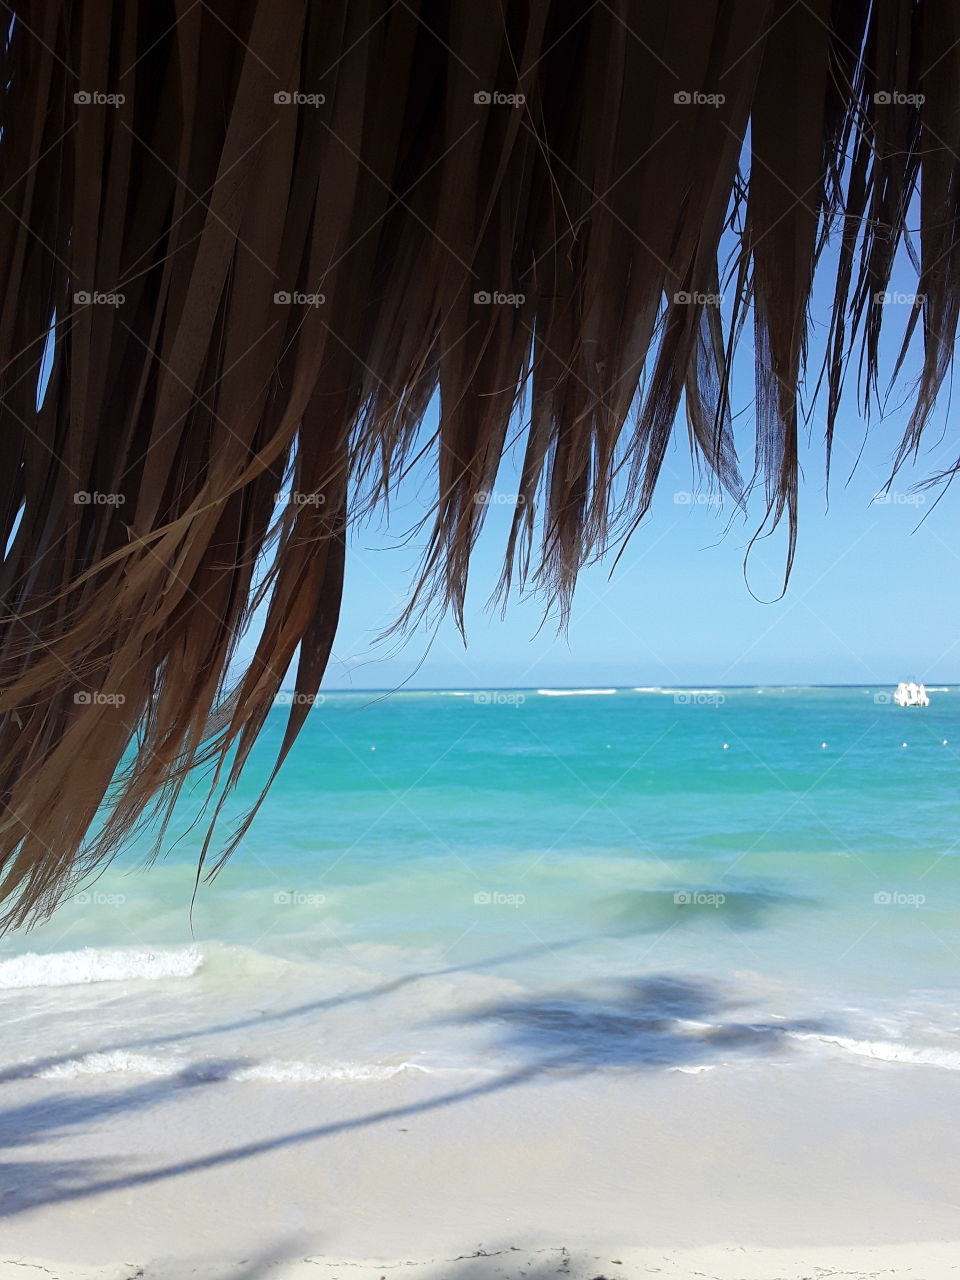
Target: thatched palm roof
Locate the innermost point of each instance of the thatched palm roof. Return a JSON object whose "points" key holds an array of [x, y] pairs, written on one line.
{"points": [[242, 236]]}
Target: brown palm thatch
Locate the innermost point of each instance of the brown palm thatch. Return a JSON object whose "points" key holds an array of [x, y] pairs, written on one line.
{"points": [[245, 242]]}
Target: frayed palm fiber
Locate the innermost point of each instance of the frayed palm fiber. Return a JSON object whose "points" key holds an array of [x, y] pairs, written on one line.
{"points": [[649, 134]]}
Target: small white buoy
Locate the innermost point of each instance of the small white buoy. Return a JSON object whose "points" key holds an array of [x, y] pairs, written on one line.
{"points": [[945, 742], [823, 746], [903, 744], [373, 748], [726, 746]]}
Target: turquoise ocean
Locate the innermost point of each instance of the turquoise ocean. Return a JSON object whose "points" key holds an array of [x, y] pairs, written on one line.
{"points": [[481, 883]]}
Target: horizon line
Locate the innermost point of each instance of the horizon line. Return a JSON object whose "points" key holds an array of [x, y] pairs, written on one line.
{"points": [[619, 688]]}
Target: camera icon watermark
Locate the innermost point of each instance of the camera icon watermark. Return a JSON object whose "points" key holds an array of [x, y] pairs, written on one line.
{"points": [[94, 498], [897, 899], [294, 98], [899, 499], [291, 698], [95, 898], [695, 698], [686, 498], [298, 499], [496, 298], [295, 298], [694, 98], [496, 899], [498, 699], [695, 898], [294, 898], [494, 98], [898, 298], [684, 298], [490, 498], [88, 298], [894, 98], [93, 698], [94, 98]]}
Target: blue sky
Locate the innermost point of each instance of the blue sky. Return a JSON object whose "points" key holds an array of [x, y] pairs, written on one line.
{"points": [[873, 597]]}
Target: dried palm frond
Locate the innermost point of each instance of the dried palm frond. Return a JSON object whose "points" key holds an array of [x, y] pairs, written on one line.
{"points": [[245, 236]]}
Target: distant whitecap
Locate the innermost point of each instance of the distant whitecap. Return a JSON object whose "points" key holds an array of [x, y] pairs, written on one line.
{"points": [[571, 693]]}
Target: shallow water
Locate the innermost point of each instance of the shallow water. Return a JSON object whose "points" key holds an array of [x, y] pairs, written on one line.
{"points": [[548, 881]]}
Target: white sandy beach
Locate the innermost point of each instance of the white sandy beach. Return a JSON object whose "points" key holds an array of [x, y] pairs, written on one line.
{"points": [[836, 1169], [929, 1261]]}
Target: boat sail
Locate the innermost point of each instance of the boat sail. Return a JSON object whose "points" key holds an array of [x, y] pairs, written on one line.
{"points": [[911, 694]]}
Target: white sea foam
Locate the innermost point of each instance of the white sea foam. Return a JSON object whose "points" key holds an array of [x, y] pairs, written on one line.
{"points": [[99, 1064], [691, 692], [121, 1061], [308, 1072], [279, 1071], [887, 1050], [69, 968], [571, 693]]}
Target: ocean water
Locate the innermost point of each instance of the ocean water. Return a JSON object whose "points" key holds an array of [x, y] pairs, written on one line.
{"points": [[481, 884]]}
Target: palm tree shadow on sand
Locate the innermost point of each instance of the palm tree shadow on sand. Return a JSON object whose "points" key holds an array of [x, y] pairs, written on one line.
{"points": [[659, 1021], [654, 1022]]}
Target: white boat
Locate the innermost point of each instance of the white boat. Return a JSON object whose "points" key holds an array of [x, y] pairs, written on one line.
{"points": [[911, 694]]}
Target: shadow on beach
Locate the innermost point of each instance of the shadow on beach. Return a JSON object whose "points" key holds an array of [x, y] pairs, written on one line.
{"points": [[658, 1021], [654, 1022]]}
